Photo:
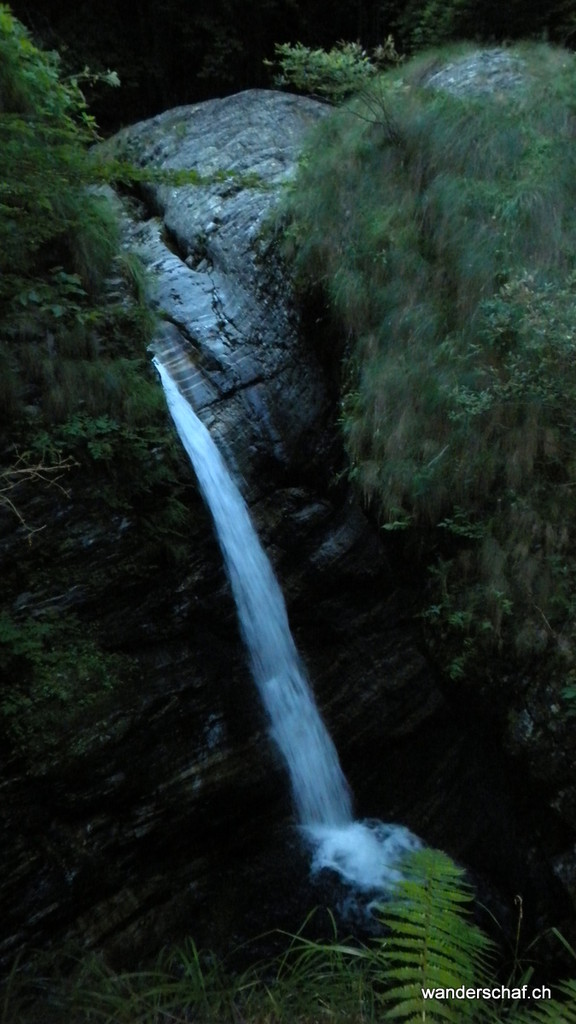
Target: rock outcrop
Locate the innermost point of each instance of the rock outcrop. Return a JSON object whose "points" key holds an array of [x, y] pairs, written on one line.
{"points": [[159, 825], [482, 72], [217, 280]]}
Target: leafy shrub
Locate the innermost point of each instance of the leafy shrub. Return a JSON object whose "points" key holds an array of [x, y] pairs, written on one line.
{"points": [[346, 69], [77, 395], [48, 218], [73, 307]]}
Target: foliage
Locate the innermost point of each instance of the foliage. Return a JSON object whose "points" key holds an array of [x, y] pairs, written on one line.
{"points": [[74, 313], [77, 396], [344, 71], [50, 222], [430, 942], [58, 239], [56, 675], [425, 23], [182, 981], [445, 253], [335, 75], [427, 941]]}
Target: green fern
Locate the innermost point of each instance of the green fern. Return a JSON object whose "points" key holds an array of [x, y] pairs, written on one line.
{"points": [[431, 944], [553, 1011]]}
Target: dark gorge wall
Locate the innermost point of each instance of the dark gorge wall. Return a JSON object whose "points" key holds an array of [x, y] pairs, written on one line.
{"points": [[162, 809]]}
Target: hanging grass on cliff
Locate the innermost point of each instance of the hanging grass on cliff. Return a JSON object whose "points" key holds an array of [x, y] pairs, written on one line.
{"points": [[439, 226]]}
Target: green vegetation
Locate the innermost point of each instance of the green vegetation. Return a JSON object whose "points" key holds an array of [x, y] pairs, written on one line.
{"points": [[63, 675], [441, 232], [61, 335], [346, 69], [428, 941], [84, 435], [57, 237], [417, 24]]}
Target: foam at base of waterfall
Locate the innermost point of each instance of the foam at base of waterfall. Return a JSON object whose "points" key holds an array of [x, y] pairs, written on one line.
{"points": [[367, 855]]}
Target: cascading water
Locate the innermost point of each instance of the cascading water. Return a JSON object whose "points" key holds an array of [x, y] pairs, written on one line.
{"points": [[319, 788], [365, 854]]}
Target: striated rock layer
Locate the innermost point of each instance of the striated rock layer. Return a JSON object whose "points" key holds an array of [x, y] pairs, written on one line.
{"points": [[173, 818]]}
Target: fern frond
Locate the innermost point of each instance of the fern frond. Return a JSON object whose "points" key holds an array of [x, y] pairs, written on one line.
{"points": [[431, 945], [554, 1011]]}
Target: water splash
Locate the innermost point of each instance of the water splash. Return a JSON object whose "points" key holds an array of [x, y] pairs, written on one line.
{"points": [[365, 854]]}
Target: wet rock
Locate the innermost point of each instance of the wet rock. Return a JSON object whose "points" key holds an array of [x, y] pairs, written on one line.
{"points": [[227, 312]]}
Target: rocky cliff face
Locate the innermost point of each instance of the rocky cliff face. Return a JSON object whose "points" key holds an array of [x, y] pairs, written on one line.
{"points": [[168, 812]]}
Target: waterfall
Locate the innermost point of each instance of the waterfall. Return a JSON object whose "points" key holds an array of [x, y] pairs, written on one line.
{"points": [[363, 853], [320, 791]]}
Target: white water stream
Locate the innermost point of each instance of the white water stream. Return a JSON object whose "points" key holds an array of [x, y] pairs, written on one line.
{"points": [[365, 854]]}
